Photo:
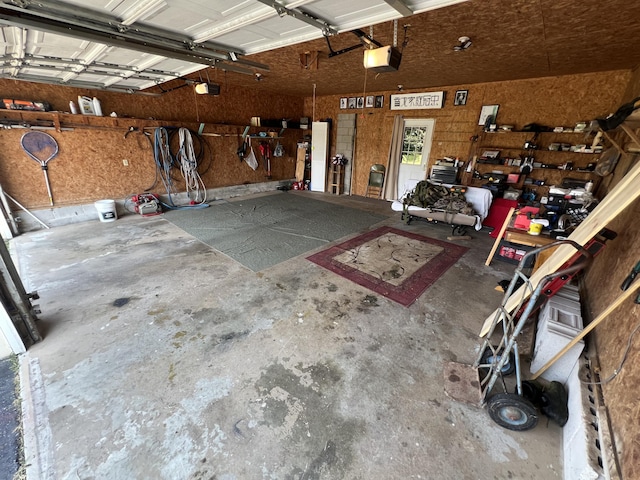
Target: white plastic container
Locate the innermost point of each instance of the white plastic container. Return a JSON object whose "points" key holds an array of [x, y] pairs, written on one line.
{"points": [[106, 210], [97, 108], [72, 107], [85, 104]]}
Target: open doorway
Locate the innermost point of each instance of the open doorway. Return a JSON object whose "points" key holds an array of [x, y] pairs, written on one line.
{"points": [[416, 145]]}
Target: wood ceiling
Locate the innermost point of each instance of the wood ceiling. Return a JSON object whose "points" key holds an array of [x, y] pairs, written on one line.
{"points": [[512, 39]]}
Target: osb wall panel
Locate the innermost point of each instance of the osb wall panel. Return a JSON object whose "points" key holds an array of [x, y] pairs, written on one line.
{"points": [[235, 105], [603, 280], [90, 166], [633, 89], [551, 101]]}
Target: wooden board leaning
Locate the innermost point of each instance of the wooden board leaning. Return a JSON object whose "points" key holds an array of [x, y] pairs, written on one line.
{"points": [[622, 195]]}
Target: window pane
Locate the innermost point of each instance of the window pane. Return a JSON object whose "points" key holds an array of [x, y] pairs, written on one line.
{"points": [[412, 143]]}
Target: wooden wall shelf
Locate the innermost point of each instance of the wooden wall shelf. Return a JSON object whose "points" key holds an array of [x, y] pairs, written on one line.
{"points": [[62, 120], [510, 144]]}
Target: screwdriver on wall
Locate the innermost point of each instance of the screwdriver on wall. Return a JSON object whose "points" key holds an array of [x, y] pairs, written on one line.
{"points": [[627, 281]]}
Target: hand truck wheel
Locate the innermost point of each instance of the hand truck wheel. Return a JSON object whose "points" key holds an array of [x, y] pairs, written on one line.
{"points": [[512, 411]]}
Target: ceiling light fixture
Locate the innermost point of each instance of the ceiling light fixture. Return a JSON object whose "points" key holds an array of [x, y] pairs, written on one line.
{"points": [[386, 58], [383, 59], [463, 44], [206, 88]]}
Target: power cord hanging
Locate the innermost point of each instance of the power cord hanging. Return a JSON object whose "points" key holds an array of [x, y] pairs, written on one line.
{"points": [[622, 361]]}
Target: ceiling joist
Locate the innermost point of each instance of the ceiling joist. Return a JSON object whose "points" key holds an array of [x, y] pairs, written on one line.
{"points": [[80, 84], [31, 60], [302, 15], [400, 6]]}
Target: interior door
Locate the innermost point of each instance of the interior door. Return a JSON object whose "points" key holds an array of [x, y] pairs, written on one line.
{"points": [[319, 155], [416, 145]]}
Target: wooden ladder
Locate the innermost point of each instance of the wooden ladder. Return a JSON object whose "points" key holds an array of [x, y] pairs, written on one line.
{"points": [[336, 179]]}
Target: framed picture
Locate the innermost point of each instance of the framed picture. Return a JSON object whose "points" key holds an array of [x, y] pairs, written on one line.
{"points": [[351, 102], [461, 97], [379, 101], [486, 112], [369, 101], [343, 103], [360, 102]]}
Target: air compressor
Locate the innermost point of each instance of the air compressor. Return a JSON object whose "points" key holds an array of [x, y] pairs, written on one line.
{"points": [[147, 204]]}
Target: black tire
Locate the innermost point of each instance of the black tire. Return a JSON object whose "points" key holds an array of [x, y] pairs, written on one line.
{"points": [[460, 230], [513, 412], [507, 369]]}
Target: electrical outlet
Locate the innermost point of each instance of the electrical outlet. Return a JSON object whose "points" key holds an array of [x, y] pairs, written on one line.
{"points": [[125, 162]]}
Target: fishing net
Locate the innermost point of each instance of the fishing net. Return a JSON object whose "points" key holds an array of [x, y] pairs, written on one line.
{"points": [[40, 146]]}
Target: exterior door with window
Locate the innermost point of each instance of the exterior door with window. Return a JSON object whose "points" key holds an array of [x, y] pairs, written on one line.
{"points": [[416, 145]]}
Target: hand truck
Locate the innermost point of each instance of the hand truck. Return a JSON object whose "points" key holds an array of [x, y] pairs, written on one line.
{"points": [[495, 361]]}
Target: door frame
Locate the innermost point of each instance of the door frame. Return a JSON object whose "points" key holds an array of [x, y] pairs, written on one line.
{"points": [[429, 123]]}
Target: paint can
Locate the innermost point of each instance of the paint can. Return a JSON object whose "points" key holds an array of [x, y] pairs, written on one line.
{"points": [[106, 210], [535, 228]]}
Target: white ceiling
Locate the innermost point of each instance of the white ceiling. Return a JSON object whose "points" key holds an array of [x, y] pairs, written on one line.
{"points": [[134, 44]]}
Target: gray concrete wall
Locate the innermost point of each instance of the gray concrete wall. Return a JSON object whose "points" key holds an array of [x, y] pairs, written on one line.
{"points": [[344, 144]]}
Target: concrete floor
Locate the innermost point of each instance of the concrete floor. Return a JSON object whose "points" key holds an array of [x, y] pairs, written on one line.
{"points": [[165, 359]]}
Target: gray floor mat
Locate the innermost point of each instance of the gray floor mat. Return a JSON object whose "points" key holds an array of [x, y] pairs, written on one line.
{"points": [[263, 231]]}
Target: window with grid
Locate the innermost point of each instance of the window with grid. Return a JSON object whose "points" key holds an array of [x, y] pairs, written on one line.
{"points": [[412, 142]]}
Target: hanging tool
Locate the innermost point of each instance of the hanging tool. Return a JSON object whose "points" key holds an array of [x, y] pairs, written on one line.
{"points": [[629, 280], [265, 151], [131, 130], [42, 148]]}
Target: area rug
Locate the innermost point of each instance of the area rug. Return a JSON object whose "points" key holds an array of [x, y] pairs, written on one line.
{"points": [[263, 231], [396, 264]]}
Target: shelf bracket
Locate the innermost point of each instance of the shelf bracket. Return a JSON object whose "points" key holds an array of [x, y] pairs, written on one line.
{"points": [[56, 122], [632, 135], [614, 143]]}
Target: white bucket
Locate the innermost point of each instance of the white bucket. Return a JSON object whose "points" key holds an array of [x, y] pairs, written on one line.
{"points": [[106, 210]]}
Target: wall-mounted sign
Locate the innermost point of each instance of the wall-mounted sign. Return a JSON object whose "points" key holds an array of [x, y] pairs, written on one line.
{"points": [[417, 101]]}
